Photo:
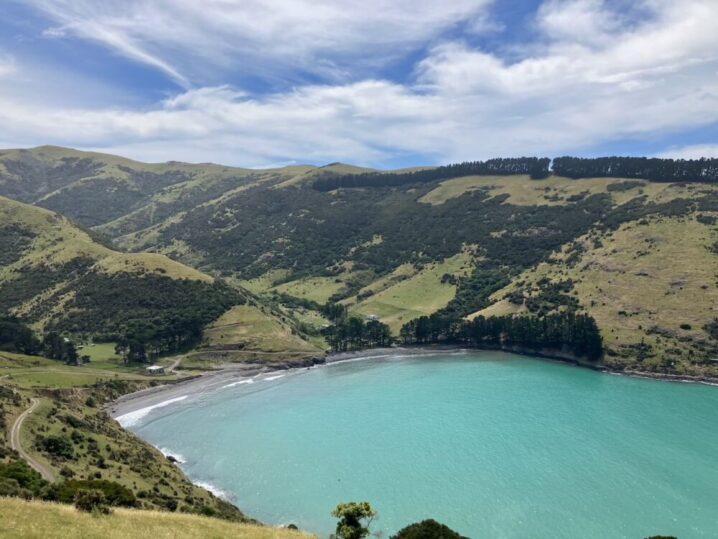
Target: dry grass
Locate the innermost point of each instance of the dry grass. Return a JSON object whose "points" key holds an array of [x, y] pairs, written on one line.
{"points": [[248, 328], [553, 191], [59, 241], [42, 520], [644, 277]]}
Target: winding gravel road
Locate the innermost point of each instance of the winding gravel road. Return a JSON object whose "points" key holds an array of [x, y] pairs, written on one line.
{"points": [[17, 446]]}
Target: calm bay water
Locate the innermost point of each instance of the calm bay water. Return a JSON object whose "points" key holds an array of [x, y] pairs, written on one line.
{"points": [[493, 445]]}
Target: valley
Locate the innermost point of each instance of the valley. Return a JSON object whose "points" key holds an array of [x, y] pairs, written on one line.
{"points": [[110, 265]]}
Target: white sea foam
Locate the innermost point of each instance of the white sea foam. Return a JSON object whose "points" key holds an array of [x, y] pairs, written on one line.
{"points": [[132, 418], [168, 453], [214, 490], [277, 377], [250, 381]]}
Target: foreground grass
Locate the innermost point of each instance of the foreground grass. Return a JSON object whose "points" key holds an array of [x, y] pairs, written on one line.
{"points": [[34, 519]]}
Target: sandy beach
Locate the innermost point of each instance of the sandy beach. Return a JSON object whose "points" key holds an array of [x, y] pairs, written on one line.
{"points": [[160, 395], [141, 402]]}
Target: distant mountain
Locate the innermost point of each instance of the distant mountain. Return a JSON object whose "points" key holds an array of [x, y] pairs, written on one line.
{"points": [[639, 256]]}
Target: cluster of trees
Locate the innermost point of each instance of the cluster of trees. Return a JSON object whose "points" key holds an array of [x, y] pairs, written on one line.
{"points": [[55, 346], [534, 166], [16, 336], [153, 338], [653, 169], [566, 331], [351, 332]]}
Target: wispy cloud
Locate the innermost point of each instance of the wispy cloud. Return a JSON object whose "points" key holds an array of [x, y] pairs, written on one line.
{"points": [[329, 38], [568, 92]]}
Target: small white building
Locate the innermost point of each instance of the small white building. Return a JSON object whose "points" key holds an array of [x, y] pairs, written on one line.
{"points": [[155, 369], [372, 317]]}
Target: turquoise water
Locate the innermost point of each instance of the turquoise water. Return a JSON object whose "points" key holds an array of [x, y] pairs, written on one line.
{"points": [[491, 444]]}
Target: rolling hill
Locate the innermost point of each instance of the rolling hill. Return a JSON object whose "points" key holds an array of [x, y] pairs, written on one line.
{"points": [[60, 277], [638, 255]]}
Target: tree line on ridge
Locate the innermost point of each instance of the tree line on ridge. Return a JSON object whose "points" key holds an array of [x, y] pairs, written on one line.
{"points": [[644, 168]]}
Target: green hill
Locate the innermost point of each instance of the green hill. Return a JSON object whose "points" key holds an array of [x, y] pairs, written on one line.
{"points": [[59, 277], [56, 276], [400, 245]]}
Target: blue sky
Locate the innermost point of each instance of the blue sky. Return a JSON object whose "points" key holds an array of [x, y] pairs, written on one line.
{"points": [[379, 83]]}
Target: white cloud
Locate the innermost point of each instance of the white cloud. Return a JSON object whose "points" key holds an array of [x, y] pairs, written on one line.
{"points": [[588, 22], [565, 94], [692, 152]]}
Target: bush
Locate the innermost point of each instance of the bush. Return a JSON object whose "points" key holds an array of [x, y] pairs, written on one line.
{"points": [[427, 529], [92, 501], [114, 493], [59, 446], [17, 479]]}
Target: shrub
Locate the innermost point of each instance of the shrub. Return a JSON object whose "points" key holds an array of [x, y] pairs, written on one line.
{"points": [[427, 529], [17, 478], [115, 494], [92, 501], [59, 446]]}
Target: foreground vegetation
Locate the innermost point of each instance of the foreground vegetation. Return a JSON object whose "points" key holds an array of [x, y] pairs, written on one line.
{"points": [[81, 448], [39, 520]]}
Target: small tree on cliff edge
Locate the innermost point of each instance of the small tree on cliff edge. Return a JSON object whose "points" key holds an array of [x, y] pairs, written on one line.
{"points": [[354, 520]]}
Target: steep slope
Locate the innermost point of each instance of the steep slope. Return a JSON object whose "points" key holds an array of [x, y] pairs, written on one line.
{"points": [[651, 284], [56, 276]]}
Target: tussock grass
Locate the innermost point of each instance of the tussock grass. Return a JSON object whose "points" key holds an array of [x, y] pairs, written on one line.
{"points": [[645, 282], [553, 191], [249, 329], [21, 519]]}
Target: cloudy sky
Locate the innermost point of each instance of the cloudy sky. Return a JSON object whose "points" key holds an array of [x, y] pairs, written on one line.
{"points": [[379, 82]]}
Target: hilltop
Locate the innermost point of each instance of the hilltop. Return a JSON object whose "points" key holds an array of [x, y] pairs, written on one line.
{"points": [[637, 253]]}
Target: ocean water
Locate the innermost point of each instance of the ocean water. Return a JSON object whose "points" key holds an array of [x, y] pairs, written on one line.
{"points": [[494, 445]]}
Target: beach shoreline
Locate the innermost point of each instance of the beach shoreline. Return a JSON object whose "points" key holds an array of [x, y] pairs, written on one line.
{"points": [[241, 372]]}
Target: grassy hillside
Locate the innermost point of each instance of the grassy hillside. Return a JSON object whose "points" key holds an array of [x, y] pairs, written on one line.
{"points": [[651, 285], [71, 436], [38, 520], [250, 333], [57, 276], [387, 250]]}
